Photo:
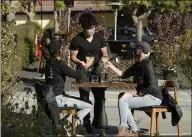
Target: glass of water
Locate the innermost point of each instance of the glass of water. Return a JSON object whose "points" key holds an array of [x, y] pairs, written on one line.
{"points": [[104, 76], [94, 78]]}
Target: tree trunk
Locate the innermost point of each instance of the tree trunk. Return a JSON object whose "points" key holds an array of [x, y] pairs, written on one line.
{"points": [[139, 30], [56, 22], [31, 16]]}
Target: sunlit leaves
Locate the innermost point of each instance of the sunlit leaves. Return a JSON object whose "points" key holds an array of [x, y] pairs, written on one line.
{"points": [[60, 5]]}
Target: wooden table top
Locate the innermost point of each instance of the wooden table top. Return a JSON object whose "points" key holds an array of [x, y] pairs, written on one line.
{"points": [[104, 84]]}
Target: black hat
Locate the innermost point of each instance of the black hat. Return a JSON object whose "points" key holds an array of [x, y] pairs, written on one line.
{"points": [[144, 46], [54, 46]]}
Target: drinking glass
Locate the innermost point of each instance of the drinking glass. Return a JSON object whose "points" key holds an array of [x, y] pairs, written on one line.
{"points": [[104, 76], [94, 78]]}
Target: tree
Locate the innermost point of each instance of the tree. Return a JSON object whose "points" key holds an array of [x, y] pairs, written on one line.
{"points": [[140, 10], [58, 6], [29, 8]]}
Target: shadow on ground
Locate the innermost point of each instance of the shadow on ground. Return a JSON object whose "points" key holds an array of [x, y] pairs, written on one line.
{"points": [[30, 69], [30, 82]]}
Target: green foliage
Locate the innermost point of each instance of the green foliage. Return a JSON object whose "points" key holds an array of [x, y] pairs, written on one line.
{"points": [[60, 5], [166, 5], [29, 52], [6, 9], [35, 27], [9, 58], [17, 122], [183, 59], [26, 40], [28, 5], [141, 9], [163, 55]]}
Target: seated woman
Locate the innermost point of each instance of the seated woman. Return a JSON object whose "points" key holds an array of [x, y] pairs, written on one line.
{"points": [[56, 72], [147, 91]]}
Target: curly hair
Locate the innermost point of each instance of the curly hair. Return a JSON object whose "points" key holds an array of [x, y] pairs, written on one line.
{"points": [[87, 20]]}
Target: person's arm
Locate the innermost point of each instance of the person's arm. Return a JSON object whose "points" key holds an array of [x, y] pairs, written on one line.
{"points": [[67, 71], [104, 45], [127, 73], [115, 69], [75, 59], [104, 52], [74, 49]]}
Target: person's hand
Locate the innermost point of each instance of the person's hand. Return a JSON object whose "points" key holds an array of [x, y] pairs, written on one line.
{"points": [[82, 63], [89, 62], [109, 64]]}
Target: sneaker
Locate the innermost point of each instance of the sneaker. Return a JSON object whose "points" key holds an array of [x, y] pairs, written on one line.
{"points": [[67, 127], [123, 131], [133, 133]]}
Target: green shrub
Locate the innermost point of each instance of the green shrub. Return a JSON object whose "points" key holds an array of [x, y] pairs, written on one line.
{"points": [[9, 58], [184, 60], [26, 39]]}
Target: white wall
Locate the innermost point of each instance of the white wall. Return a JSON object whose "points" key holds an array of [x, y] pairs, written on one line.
{"points": [[21, 19], [45, 19]]}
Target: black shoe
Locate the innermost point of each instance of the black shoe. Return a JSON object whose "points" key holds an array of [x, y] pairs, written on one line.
{"points": [[94, 124], [88, 128]]}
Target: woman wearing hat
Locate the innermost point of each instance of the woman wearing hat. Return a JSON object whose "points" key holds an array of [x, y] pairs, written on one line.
{"points": [[56, 71], [147, 92]]}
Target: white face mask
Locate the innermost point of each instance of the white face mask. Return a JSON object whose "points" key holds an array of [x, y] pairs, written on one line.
{"points": [[90, 32]]}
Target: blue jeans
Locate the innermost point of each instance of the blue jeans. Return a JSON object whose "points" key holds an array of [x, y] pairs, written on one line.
{"points": [[70, 102], [130, 102]]}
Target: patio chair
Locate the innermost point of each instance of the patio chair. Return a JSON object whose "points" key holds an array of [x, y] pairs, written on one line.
{"points": [[154, 110], [46, 99]]}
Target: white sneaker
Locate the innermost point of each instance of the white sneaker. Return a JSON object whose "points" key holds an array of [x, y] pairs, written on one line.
{"points": [[67, 127]]}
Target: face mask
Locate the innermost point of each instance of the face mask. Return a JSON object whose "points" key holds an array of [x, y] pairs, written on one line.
{"points": [[90, 32]]}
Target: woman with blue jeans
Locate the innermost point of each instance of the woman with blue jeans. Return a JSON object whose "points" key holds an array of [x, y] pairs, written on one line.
{"points": [[56, 71], [147, 92]]}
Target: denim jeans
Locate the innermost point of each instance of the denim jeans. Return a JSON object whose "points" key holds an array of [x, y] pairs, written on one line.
{"points": [[130, 102], [84, 107]]}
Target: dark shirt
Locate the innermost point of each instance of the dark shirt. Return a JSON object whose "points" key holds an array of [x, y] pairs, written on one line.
{"points": [[56, 72], [45, 51], [86, 48], [143, 74]]}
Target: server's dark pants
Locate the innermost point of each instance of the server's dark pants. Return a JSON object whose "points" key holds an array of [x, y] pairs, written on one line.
{"points": [[99, 98]]}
